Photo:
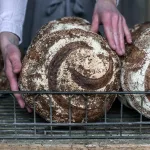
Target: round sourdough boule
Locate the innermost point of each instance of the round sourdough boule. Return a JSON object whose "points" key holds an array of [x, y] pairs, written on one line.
{"points": [[70, 60], [63, 24], [135, 72]]}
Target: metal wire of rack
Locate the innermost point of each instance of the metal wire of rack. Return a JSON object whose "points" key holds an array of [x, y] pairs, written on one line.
{"points": [[118, 123]]}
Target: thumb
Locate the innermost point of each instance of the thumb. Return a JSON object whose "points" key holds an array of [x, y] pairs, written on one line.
{"points": [[15, 58], [95, 23]]}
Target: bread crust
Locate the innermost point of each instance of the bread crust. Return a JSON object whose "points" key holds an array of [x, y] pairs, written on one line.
{"points": [[70, 60], [135, 73]]}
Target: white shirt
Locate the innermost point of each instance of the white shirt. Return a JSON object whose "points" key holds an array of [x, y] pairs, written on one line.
{"points": [[12, 15]]}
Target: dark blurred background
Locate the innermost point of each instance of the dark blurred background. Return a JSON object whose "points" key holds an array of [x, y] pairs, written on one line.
{"points": [[135, 11]]}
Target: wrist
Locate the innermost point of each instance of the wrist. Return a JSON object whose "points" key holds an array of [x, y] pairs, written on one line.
{"points": [[8, 38], [115, 2]]}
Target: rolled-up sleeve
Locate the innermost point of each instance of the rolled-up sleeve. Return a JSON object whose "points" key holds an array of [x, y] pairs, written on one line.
{"points": [[12, 15]]}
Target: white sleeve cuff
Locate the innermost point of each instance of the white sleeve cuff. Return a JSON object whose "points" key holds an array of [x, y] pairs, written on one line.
{"points": [[7, 26], [12, 15]]}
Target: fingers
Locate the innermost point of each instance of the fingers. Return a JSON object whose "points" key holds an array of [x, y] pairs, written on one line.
{"points": [[12, 67], [115, 30], [121, 36], [13, 81], [127, 32], [14, 57], [95, 23], [117, 34], [109, 31], [14, 85], [115, 26], [12, 62], [120, 30], [29, 109], [114, 35]]}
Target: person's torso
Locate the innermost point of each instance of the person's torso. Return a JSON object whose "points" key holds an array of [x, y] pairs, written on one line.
{"points": [[40, 12]]}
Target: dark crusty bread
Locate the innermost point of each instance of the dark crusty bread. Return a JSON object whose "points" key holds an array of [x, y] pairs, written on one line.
{"points": [[70, 59], [135, 73], [4, 84]]}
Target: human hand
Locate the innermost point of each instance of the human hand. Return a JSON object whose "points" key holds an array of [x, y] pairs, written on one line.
{"points": [[12, 62], [114, 23]]}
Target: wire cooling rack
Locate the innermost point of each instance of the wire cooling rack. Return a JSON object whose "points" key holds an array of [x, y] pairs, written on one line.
{"points": [[119, 122]]}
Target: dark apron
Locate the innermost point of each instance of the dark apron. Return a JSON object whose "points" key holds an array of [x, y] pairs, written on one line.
{"points": [[40, 12]]}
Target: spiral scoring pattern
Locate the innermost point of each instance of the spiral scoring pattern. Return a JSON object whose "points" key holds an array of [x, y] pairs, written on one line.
{"points": [[70, 59], [135, 74]]}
